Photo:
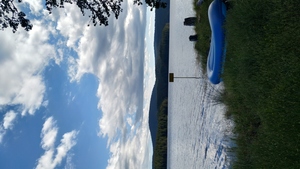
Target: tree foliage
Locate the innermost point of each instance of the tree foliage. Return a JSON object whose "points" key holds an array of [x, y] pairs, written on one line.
{"points": [[160, 152], [99, 11], [11, 17], [162, 66]]}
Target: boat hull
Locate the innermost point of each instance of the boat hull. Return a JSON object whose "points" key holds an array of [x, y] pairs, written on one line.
{"points": [[216, 56]]}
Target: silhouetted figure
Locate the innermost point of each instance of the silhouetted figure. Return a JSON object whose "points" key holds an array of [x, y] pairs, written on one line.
{"points": [[190, 21], [193, 38]]}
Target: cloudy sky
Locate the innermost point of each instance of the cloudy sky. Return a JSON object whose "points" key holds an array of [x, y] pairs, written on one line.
{"points": [[73, 96]]}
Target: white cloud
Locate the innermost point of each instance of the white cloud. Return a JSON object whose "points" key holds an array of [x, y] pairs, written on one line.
{"points": [[72, 69], [131, 153], [24, 55], [8, 120], [117, 60], [67, 142], [7, 123], [52, 156], [2, 133], [30, 100], [45, 103], [35, 6], [70, 23], [69, 163], [116, 55], [48, 134]]}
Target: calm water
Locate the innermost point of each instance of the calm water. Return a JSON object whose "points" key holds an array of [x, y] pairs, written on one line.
{"points": [[198, 136]]}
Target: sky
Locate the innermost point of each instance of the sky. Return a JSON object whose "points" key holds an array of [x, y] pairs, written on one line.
{"points": [[73, 96]]}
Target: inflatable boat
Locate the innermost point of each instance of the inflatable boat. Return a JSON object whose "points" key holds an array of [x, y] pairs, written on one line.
{"points": [[216, 56]]}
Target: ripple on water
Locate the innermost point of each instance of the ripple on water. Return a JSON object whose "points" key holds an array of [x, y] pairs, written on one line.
{"points": [[197, 130]]}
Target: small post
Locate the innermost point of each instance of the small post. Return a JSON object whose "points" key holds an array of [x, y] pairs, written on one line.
{"points": [[171, 77]]}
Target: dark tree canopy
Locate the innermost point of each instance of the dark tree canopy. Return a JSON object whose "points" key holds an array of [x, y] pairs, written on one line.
{"points": [[99, 11], [11, 17]]}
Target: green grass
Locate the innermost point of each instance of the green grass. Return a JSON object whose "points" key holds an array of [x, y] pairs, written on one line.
{"points": [[203, 31], [262, 82]]}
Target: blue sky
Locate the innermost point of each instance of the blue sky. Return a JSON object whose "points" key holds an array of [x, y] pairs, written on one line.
{"points": [[73, 96]]}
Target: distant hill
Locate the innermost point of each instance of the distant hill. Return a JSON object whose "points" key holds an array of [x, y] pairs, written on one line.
{"points": [[160, 90], [158, 105], [162, 17], [162, 66], [153, 119], [158, 114]]}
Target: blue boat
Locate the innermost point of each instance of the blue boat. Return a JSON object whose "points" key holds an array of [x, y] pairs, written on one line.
{"points": [[216, 56]]}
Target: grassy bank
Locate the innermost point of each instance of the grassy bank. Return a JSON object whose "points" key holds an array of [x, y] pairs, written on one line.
{"points": [[202, 29], [261, 79]]}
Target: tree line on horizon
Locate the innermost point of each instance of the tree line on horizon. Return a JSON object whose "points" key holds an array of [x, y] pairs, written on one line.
{"points": [[159, 160], [160, 152]]}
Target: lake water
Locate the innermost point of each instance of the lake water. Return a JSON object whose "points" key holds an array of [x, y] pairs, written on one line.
{"points": [[198, 133]]}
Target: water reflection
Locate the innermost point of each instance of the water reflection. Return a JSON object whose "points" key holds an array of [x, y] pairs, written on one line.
{"points": [[197, 130]]}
